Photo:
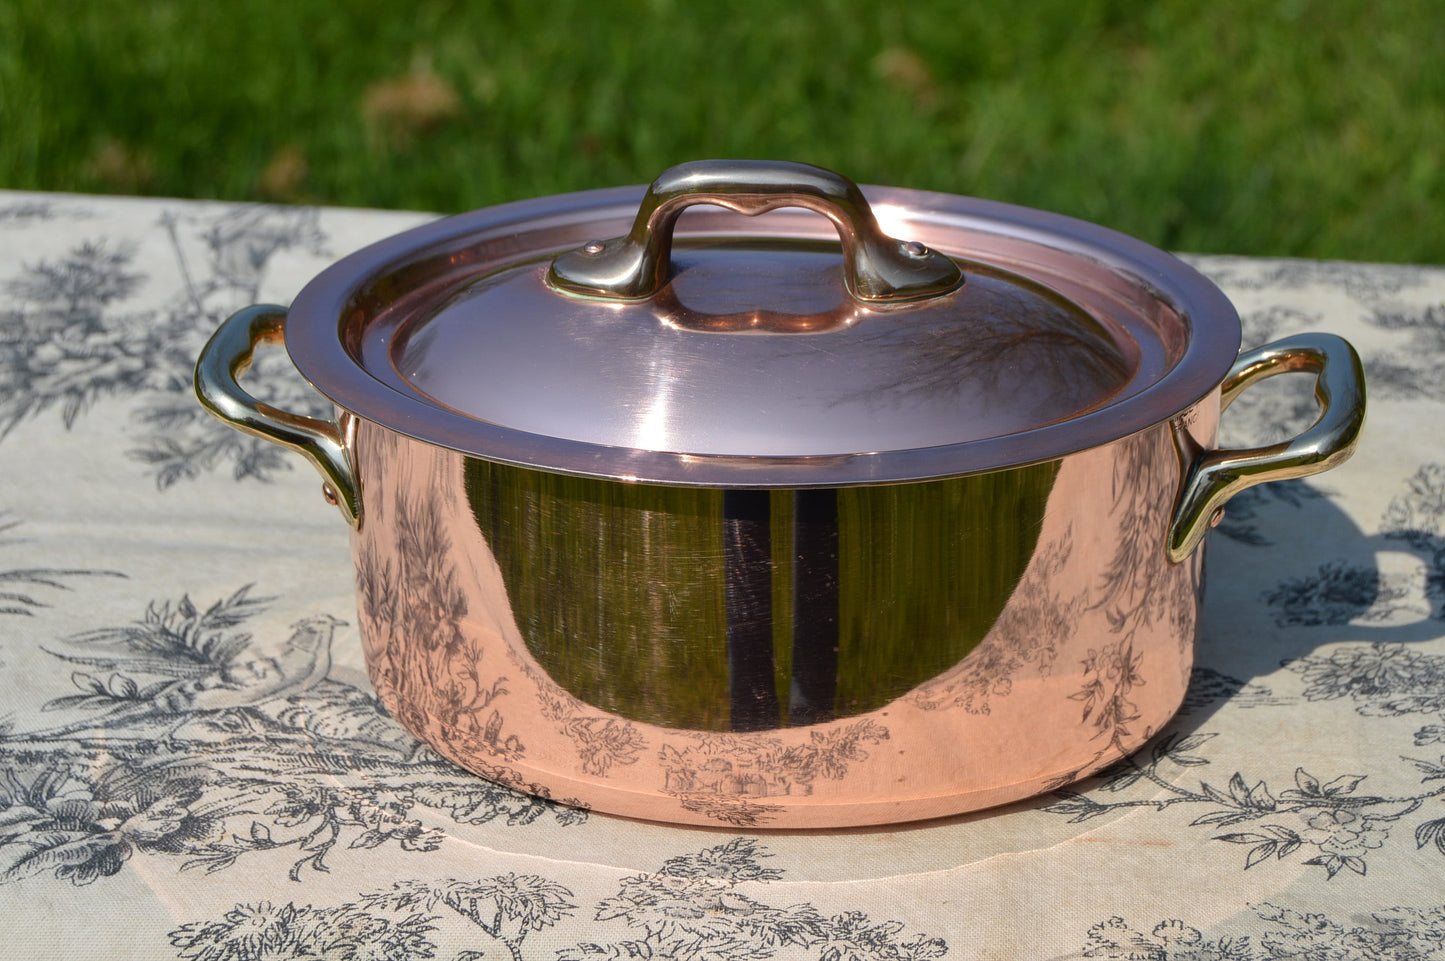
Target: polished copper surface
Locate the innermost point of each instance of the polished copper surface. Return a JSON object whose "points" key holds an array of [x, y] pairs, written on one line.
{"points": [[756, 350], [1094, 336], [1087, 656]]}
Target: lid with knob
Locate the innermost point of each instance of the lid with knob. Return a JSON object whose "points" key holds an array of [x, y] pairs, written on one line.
{"points": [[849, 336]]}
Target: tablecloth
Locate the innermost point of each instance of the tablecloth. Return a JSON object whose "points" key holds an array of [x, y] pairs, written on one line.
{"points": [[1294, 809]]}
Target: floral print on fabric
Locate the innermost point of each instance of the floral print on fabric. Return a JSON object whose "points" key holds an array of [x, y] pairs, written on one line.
{"points": [[710, 906], [188, 737]]}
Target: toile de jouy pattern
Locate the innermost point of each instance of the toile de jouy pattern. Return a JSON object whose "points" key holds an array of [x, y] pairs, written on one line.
{"points": [[195, 764], [712, 904]]}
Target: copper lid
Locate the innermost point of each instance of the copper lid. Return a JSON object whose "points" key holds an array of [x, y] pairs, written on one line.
{"points": [[810, 347]]}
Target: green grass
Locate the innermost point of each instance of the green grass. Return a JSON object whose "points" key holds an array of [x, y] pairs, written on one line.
{"points": [[1243, 126]]}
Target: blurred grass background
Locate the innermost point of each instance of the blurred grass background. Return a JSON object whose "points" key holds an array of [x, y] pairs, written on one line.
{"points": [[1272, 127]]}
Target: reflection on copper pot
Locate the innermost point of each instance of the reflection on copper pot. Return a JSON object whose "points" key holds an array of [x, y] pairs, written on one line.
{"points": [[578, 638]]}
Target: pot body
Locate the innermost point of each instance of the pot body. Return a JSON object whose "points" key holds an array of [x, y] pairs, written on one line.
{"points": [[631, 648]]}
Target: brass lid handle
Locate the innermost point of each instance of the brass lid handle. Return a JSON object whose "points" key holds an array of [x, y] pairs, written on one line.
{"points": [[877, 269]]}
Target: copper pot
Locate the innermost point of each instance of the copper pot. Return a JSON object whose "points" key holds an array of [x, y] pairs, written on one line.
{"points": [[777, 523]]}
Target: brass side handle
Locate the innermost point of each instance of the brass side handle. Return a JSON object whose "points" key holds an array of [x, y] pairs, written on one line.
{"points": [[877, 269], [1217, 475], [226, 357]]}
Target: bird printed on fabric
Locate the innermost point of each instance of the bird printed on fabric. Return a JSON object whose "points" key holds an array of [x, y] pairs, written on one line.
{"points": [[246, 677]]}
